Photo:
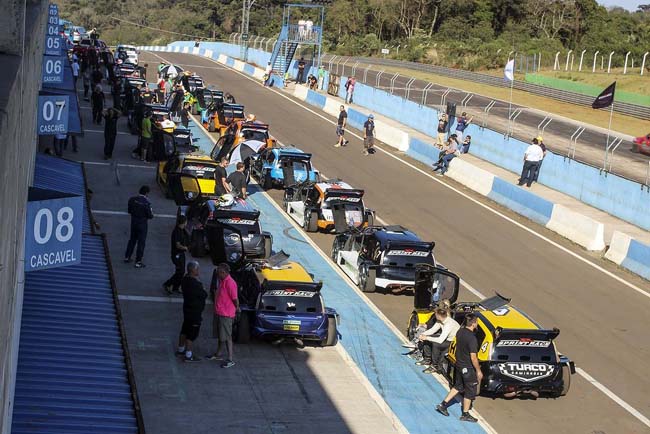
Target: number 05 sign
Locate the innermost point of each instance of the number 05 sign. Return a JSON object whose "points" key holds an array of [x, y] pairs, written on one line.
{"points": [[53, 229]]}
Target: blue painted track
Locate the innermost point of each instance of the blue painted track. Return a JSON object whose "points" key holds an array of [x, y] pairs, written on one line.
{"points": [[369, 341]]}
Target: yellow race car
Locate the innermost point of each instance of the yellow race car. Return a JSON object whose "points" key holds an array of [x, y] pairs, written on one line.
{"points": [[517, 356], [198, 165]]}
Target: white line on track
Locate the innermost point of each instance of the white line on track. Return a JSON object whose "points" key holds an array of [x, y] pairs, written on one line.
{"points": [[609, 393], [124, 213]]}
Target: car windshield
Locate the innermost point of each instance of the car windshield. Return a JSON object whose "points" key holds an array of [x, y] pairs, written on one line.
{"points": [[524, 350], [298, 165], [291, 301], [199, 169], [254, 134]]}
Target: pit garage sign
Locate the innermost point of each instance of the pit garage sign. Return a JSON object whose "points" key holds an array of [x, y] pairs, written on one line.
{"points": [[53, 229], [52, 69], [53, 114], [53, 45]]}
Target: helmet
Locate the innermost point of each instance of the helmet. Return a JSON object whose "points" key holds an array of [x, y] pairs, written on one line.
{"points": [[226, 199], [251, 117]]}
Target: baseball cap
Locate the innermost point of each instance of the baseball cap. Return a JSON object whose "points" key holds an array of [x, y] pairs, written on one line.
{"points": [[371, 116]]}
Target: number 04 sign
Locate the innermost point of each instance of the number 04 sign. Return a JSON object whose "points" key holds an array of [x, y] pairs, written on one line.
{"points": [[53, 229]]}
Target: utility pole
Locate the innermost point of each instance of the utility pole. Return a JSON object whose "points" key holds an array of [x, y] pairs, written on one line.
{"points": [[245, 19]]}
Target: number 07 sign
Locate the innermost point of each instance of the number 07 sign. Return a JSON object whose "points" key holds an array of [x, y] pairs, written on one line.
{"points": [[53, 229], [53, 114]]}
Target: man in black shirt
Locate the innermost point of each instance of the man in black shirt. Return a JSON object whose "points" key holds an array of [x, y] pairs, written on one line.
{"points": [[180, 245], [340, 127], [301, 71], [193, 304], [221, 178], [237, 180], [141, 213], [467, 371], [369, 135]]}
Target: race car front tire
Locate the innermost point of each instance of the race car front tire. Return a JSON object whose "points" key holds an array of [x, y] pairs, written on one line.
{"points": [[268, 247], [566, 380], [194, 109], [367, 277], [413, 325], [243, 329], [311, 221], [332, 334]]}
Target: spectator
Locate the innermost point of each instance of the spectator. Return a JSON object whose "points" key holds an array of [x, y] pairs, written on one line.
{"points": [[267, 74], [238, 183], [443, 122], [462, 123], [447, 154], [301, 71], [180, 245], [221, 186], [467, 142], [321, 77], [226, 307], [97, 101], [340, 128], [532, 158], [111, 116], [301, 29], [193, 304], [85, 76], [309, 25], [145, 135], [540, 142], [116, 91], [349, 88], [369, 135], [75, 70], [434, 348], [141, 213], [467, 374], [313, 83]]}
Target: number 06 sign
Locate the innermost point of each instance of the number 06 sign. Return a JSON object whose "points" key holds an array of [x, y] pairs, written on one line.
{"points": [[53, 229]]}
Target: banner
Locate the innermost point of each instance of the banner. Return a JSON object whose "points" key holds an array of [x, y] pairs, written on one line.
{"points": [[509, 70]]}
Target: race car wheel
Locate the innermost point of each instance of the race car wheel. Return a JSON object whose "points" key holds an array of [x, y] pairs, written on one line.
{"points": [[267, 181], [243, 329], [211, 127], [197, 244], [335, 250], [367, 278], [566, 380], [268, 247], [412, 327], [311, 221], [332, 334]]}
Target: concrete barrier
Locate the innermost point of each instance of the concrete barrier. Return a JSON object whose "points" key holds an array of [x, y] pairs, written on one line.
{"points": [[579, 228], [315, 98], [392, 136], [238, 65], [222, 59], [300, 92], [473, 177], [424, 152], [207, 53], [521, 201], [630, 254], [618, 247], [332, 106]]}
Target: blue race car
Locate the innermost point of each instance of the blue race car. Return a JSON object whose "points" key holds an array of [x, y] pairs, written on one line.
{"points": [[280, 301], [282, 167]]}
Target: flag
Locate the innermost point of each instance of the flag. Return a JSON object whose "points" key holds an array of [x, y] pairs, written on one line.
{"points": [[606, 97], [509, 70]]}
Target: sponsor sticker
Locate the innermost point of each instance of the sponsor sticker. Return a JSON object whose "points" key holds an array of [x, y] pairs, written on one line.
{"points": [[523, 343], [345, 198], [289, 293], [198, 168], [526, 372], [236, 221], [408, 252]]}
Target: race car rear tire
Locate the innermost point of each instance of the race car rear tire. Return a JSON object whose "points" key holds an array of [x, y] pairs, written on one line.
{"points": [[197, 244], [268, 247], [243, 329], [412, 327], [566, 379], [211, 126], [311, 221], [336, 247], [367, 278], [267, 181], [332, 334]]}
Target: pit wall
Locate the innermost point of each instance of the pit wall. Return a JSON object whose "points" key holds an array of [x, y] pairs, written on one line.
{"points": [[617, 196]]}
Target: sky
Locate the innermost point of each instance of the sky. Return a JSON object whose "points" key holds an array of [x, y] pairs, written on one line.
{"points": [[627, 4]]}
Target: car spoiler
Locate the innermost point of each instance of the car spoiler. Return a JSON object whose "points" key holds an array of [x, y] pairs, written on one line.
{"points": [[421, 246], [294, 155], [299, 286], [341, 193], [518, 334], [227, 213]]}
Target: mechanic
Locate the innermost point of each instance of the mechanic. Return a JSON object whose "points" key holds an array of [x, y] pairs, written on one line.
{"points": [[193, 304], [229, 98], [141, 212], [238, 183], [369, 135], [226, 308], [221, 186], [145, 135], [435, 347], [111, 116], [180, 243], [185, 115], [340, 128], [97, 101], [532, 159], [467, 374]]}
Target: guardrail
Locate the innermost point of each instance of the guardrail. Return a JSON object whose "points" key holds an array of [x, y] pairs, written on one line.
{"points": [[637, 111]]}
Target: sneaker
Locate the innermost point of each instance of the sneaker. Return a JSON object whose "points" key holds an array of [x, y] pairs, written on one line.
{"points": [[139, 265], [192, 359], [214, 357], [337, 146], [408, 345], [466, 417], [442, 410], [423, 363], [127, 260], [345, 143], [228, 364], [430, 370], [365, 153], [167, 289]]}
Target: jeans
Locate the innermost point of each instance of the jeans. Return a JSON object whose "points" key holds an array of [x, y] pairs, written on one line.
{"points": [[177, 277], [109, 143], [434, 352], [139, 237], [529, 172]]}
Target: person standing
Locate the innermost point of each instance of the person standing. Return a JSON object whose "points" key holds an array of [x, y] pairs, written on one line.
{"points": [[226, 307], [532, 158], [97, 101], [116, 91], [180, 245], [59, 140], [462, 123], [141, 212], [340, 127], [110, 131], [238, 183], [301, 71], [443, 122], [97, 76], [75, 71], [193, 304], [145, 135], [85, 75], [221, 186], [349, 87], [369, 135], [540, 142], [467, 371], [321, 77], [267, 74], [185, 115]]}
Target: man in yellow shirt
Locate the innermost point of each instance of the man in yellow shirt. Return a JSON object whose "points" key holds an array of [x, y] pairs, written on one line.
{"points": [[145, 135]]}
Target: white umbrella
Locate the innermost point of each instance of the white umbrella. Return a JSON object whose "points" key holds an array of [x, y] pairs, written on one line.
{"points": [[244, 151]]}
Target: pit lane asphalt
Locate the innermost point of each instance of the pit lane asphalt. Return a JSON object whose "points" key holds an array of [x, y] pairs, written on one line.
{"points": [[602, 321]]}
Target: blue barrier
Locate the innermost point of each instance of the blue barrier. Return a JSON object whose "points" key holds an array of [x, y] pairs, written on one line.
{"points": [[423, 151], [521, 201], [315, 99], [637, 259], [248, 69], [356, 119]]}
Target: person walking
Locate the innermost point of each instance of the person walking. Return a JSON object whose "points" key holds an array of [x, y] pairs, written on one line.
{"points": [[141, 212], [193, 304], [221, 186], [340, 127], [462, 122], [226, 307], [532, 158], [369, 135], [97, 102], [180, 245], [301, 71], [111, 116], [467, 371], [85, 76], [75, 71], [145, 135], [237, 181]]}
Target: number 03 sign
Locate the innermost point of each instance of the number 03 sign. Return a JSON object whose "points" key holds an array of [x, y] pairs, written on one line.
{"points": [[53, 229]]}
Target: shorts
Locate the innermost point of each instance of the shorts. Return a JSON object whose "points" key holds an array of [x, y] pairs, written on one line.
{"points": [[368, 142], [466, 382], [222, 327], [191, 328], [340, 131]]}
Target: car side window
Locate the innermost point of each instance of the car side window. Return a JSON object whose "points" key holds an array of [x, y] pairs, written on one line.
{"points": [[270, 158]]}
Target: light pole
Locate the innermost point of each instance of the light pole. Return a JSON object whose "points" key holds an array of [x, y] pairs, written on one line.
{"points": [[595, 58], [625, 67], [582, 54], [245, 19]]}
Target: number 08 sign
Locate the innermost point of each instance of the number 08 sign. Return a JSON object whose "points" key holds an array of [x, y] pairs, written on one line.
{"points": [[53, 230]]}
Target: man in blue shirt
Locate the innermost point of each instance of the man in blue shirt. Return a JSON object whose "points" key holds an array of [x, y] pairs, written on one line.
{"points": [[461, 123], [141, 212]]}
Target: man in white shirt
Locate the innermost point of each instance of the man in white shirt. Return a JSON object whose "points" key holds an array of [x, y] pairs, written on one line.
{"points": [[436, 341], [75, 72], [532, 160]]}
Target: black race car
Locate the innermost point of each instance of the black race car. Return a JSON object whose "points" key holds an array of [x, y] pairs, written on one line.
{"points": [[381, 256]]}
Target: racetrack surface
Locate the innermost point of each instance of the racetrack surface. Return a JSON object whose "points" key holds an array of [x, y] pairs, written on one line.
{"points": [[602, 320]]}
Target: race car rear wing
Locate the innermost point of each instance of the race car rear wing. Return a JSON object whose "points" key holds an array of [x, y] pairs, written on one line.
{"points": [[409, 246], [342, 194], [294, 156], [233, 217], [526, 337], [291, 286]]}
